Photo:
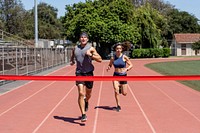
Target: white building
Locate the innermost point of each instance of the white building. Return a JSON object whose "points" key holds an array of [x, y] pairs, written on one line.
{"points": [[182, 44]]}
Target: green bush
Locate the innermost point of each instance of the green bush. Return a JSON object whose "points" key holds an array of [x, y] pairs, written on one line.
{"points": [[150, 53], [166, 52], [136, 53], [158, 52]]}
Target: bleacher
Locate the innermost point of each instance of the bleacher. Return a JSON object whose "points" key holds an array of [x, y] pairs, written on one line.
{"points": [[7, 39], [20, 57]]}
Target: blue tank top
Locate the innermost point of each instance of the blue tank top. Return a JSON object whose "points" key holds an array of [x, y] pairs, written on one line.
{"points": [[118, 62], [84, 62]]}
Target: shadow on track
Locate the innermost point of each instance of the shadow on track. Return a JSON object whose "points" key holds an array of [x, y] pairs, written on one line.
{"points": [[70, 120]]}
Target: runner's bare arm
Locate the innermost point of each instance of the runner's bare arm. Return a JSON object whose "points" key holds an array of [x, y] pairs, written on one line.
{"points": [[94, 55], [72, 61], [128, 61], [110, 64]]}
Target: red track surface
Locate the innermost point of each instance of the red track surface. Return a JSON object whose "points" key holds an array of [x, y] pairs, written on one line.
{"points": [[150, 106]]}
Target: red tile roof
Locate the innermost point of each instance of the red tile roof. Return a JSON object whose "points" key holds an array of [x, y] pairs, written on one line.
{"points": [[187, 37]]}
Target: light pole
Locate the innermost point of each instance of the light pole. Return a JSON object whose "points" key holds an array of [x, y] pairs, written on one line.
{"points": [[36, 24]]}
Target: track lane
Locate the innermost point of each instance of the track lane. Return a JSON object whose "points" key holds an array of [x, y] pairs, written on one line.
{"points": [[156, 106], [67, 115], [169, 105]]}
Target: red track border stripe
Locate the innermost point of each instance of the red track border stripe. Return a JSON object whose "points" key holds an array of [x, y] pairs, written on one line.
{"points": [[99, 78]]}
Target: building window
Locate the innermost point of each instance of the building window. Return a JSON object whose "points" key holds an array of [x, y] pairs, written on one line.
{"points": [[183, 49]]}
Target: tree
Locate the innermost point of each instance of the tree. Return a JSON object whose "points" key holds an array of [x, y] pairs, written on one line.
{"points": [[196, 46], [175, 21], [12, 13], [16, 20], [28, 25], [138, 3], [1, 24], [160, 6], [49, 26], [181, 22], [106, 21], [150, 23]]}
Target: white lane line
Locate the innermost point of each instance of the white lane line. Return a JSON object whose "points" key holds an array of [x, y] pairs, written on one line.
{"points": [[28, 97], [186, 88], [145, 116], [36, 129], [13, 89], [193, 115], [98, 103]]}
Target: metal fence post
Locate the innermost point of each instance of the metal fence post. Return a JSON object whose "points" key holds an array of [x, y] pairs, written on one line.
{"points": [[3, 59], [35, 56], [26, 60], [16, 66]]}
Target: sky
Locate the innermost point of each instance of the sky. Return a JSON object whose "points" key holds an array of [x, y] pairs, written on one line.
{"points": [[190, 6]]}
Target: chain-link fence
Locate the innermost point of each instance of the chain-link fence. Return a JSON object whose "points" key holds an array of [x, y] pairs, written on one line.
{"points": [[29, 61]]}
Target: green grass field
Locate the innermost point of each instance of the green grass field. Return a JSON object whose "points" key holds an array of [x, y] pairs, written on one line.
{"points": [[179, 68]]}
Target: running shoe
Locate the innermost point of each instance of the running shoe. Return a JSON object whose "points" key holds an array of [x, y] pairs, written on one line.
{"points": [[83, 118], [86, 106], [118, 108]]}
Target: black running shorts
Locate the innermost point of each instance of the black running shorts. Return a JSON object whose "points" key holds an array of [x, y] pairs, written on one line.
{"points": [[88, 84], [120, 74]]}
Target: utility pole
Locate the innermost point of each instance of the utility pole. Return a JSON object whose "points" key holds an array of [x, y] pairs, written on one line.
{"points": [[36, 24]]}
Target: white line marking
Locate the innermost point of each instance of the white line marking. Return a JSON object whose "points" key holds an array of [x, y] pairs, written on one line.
{"points": [[98, 103], [29, 82], [15, 88], [145, 116], [36, 129], [176, 102], [26, 98], [187, 88]]}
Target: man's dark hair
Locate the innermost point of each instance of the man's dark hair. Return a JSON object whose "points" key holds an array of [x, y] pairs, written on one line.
{"points": [[84, 34]]}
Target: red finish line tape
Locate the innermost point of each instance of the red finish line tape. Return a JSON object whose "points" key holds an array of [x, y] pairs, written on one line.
{"points": [[100, 78]]}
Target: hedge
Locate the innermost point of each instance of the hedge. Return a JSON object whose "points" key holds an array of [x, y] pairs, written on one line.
{"points": [[151, 53]]}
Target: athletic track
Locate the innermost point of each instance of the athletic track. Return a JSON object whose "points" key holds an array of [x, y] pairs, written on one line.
{"points": [[149, 107]]}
